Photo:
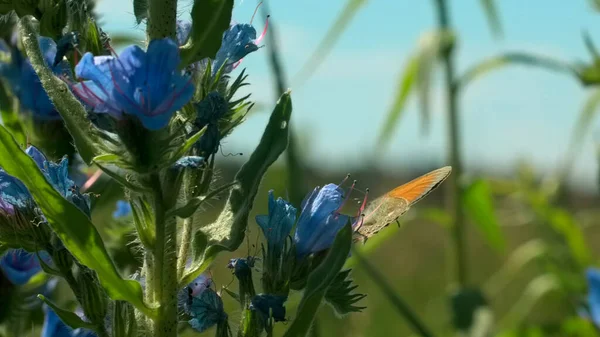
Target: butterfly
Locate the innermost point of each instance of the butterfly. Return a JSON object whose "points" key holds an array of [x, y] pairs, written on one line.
{"points": [[388, 208]]}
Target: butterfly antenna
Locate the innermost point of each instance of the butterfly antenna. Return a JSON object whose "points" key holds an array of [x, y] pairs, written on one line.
{"points": [[255, 11], [361, 209]]}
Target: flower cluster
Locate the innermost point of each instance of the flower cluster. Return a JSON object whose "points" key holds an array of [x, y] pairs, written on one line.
{"points": [[294, 243]]}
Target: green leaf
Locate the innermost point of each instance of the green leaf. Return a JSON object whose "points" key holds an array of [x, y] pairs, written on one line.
{"points": [[25, 7], [227, 232], [479, 205], [340, 294], [233, 295], [54, 20], [192, 205], [71, 111], [10, 117], [140, 10], [465, 302], [124, 181], [69, 318], [329, 40], [491, 12], [580, 131], [513, 58], [398, 303], [430, 46], [406, 83], [72, 226], [210, 19], [319, 281]]}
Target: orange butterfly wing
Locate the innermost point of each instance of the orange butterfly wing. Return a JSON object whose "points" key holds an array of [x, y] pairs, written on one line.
{"points": [[386, 209], [418, 188]]}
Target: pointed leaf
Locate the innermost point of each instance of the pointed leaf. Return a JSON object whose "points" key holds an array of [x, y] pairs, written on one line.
{"points": [[318, 283], [406, 82], [329, 40], [514, 58], [71, 225], [341, 295], [491, 12], [210, 19], [479, 205], [69, 318], [71, 111], [140, 10], [227, 232]]}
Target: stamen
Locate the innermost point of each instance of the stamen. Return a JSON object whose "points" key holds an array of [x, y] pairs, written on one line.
{"points": [[255, 10], [120, 91], [262, 36], [344, 180], [235, 65], [347, 194], [161, 110]]}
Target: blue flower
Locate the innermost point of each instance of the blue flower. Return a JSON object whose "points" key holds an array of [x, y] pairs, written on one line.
{"points": [[54, 327], [19, 266], [242, 267], [58, 176], [145, 84], [189, 162], [319, 220], [26, 84], [123, 210], [278, 224], [206, 310], [238, 41], [12, 193], [593, 278], [269, 305]]}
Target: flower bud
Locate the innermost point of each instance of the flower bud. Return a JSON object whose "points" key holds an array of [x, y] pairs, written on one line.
{"points": [[92, 296]]}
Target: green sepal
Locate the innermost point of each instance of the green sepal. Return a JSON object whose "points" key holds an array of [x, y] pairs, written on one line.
{"points": [[319, 281], [233, 295], [54, 20], [340, 294], [69, 318]]}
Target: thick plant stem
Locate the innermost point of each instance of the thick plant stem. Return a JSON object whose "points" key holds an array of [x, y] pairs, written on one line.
{"points": [[454, 188], [162, 15], [165, 266], [184, 246]]}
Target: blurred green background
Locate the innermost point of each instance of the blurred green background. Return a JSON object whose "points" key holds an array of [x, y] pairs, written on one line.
{"points": [[380, 91]]}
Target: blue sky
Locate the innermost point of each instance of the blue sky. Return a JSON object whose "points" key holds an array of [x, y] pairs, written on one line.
{"points": [[509, 115]]}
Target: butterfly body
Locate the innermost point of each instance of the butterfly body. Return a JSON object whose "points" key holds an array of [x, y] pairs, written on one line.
{"points": [[389, 207]]}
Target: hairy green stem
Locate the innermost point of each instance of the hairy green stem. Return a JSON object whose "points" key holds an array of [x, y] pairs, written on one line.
{"points": [[165, 266], [162, 15], [184, 246], [454, 188]]}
